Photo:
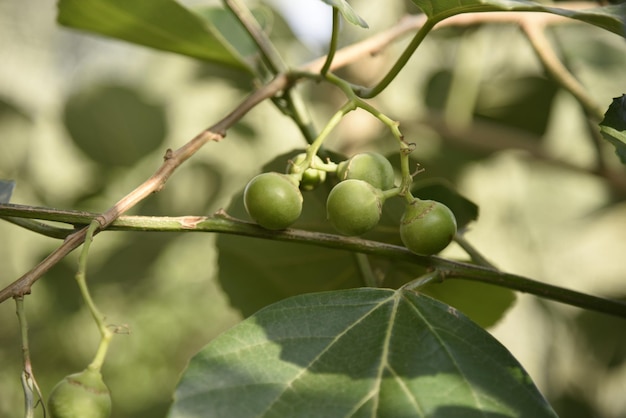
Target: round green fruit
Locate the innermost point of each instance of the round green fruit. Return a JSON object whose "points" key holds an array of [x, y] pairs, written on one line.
{"points": [[80, 395], [427, 226], [370, 167], [312, 177], [273, 200], [353, 206]]}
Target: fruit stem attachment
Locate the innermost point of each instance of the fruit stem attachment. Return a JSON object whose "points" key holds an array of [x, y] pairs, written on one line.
{"points": [[105, 333], [391, 192], [394, 126]]}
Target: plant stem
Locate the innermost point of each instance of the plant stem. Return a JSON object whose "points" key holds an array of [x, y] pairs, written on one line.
{"points": [[300, 114], [270, 55], [365, 270], [105, 333], [476, 257], [348, 107], [223, 223], [553, 65], [333, 42], [367, 93], [39, 227], [294, 105], [423, 280], [29, 383]]}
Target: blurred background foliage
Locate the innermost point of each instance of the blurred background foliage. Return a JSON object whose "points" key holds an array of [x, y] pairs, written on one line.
{"points": [[83, 120]]}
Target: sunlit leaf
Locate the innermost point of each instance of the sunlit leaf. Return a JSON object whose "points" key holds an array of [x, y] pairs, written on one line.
{"points": [[609, 17], [613, 126], [357, 353], [160, 24], [347, 12]]}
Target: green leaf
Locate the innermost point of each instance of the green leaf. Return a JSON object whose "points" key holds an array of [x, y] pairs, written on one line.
{"points": [[6, 190], [613, 126], [347, 12], [160, 24], [357, 353], [609, 17]]}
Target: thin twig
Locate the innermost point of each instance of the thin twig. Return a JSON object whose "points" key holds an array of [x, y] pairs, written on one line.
{"points": [[271, 57], [223, 223], [29, 383], [332, 48], [535, 33]]}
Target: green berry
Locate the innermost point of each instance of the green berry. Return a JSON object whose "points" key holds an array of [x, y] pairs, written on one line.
{"points": [[273, 200], [312, 177], [80, 395], [427, 226], [353, 207], [370, 167]]}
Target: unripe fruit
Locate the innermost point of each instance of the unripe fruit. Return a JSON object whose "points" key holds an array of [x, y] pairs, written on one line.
{"points": [[80, 395], [427, 226], [370, 167], [312, 177], [353, 206], [273, 200]]}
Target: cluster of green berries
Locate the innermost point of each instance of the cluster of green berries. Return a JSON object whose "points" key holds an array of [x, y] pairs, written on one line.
{"points": [[354, 205]]}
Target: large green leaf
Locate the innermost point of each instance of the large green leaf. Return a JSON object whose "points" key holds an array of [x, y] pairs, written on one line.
{"points": [[613, 126], [357, 353], [609, 17], [160, 24]]}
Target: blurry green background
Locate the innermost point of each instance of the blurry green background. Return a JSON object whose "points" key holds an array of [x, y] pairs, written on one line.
{"points": [[83, 120]]}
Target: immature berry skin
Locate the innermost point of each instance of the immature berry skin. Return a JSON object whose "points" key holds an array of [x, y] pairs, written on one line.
{"points": [[312, 177], [370, 167], [353, 207], [80, 395], [273, 200], [427, 226]]}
